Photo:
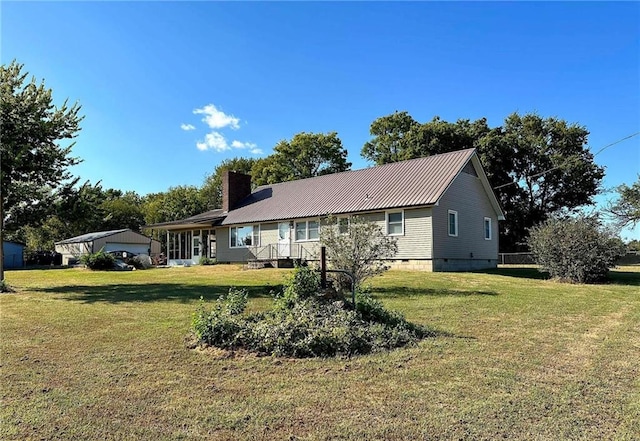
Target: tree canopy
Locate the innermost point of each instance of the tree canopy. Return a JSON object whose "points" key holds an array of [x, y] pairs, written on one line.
{"points": [[34, 161], [306, 155], [536, 165]]}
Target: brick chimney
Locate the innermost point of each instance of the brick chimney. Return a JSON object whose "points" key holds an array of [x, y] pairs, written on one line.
{"points": [[235, 187]]}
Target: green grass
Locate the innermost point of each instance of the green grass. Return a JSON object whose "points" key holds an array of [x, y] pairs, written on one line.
{"points": [[95, 355]]}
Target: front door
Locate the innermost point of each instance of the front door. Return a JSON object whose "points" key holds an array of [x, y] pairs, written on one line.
{"points": [[284, 239], [195, 250]]}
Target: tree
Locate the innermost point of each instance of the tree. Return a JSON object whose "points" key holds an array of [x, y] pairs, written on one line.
{"points": [[626, 209], [305, 156], [536, 165], [211, 189], [34, 163], [389, 143], [358, 246], [576, 249]]}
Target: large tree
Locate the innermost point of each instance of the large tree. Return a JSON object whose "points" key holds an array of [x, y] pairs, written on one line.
{"points": [[35, 159], [536, 165], [306, 155]]}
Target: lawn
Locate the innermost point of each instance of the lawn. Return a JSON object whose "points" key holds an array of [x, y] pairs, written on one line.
{"points": [[97, 356]]}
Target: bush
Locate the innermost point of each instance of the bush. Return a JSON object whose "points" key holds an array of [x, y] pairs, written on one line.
{"points": [[204, 260], [575, 249], [98, 261], [304, 324]]}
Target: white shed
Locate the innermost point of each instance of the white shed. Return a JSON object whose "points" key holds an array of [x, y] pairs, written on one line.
{"points": [[115, 240]]}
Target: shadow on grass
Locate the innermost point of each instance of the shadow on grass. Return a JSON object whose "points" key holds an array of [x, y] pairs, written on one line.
{"points": [[401, 291], [624, 278], [152, 292], [519, 272]]}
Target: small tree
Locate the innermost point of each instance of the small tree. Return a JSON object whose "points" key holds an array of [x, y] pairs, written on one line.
{"points": [[576, 249], [358, 246]]}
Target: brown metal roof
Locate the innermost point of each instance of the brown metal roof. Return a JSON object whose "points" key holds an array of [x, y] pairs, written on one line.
{"points": [[416, 182], [208, 218]]}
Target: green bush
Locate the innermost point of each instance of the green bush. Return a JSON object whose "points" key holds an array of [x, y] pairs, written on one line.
{"points": [[575, 249], [98, 261], [304, 324], [204, 260]]}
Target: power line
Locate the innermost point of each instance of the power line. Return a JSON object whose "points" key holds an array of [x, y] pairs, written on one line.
{"points": [[569, 160]]}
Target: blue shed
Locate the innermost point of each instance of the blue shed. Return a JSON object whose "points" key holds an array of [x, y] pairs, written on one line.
{"points": [[13, 253]]}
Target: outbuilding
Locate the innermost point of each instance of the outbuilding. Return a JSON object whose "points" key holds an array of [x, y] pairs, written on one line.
{"points": [[115, 240], [13, 253]]}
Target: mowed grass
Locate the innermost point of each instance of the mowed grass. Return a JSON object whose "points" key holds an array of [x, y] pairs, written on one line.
{"points": [[98, 356]]}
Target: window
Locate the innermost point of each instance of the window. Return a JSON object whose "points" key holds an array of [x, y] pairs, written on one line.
{"points": [[487, 228], [395, 223], [307, 230], [343, 225], [453, 223], [246, 236]]}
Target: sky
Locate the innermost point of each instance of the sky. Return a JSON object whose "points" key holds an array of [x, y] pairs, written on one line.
{"points": [[170, 89]]}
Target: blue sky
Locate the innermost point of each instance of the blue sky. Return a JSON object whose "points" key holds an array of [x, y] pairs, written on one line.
{"points": [[170, 89]]}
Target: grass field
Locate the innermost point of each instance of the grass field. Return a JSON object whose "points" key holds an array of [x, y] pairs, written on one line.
{"points": [[98, 356]]}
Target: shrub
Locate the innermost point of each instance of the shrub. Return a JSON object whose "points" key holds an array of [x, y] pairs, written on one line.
{"points": [[304, 324], [204, 260], [222, 325], [98, 261], [357, 245], [575, 249]]}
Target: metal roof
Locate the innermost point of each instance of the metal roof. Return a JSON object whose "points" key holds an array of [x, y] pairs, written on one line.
{"points": [[89, 237], [416, 182], [211, 217]]}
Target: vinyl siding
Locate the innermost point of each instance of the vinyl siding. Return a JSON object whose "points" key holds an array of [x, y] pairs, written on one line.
{"points": [[416, 242], [226, 254], [466, 195]]}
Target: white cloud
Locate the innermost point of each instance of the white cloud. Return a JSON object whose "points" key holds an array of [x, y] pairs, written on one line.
{"points": [[217, 119], [187, 127], [253, 148], [213, 141]]}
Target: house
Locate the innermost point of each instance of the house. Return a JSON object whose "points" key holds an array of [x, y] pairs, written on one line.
{"points": [[115, 240], [441, 208], [13, 255]]}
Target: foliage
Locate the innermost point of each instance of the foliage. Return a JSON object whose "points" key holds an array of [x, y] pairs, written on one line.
{"points": [[536, 165], [361, 247], [98, 261], [626, 209], [305, 156], [176, 203], [304, 324], [34, 163], [79, 209], [575, 249], [205, 260], [302, 284], [634, 245], [211, 190], [4, 286], [222, 325]]}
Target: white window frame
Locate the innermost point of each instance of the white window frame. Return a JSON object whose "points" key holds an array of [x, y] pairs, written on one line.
{"points": [[255, 236], [387, 223], [485, 224], [306, 230], [455, 215]]}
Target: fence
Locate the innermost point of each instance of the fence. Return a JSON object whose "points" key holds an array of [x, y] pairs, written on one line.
{"points": [[516, 259]]}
